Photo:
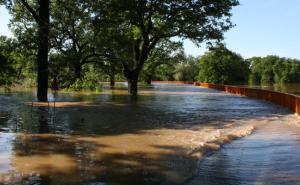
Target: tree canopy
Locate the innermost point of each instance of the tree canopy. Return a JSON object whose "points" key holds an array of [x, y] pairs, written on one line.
{"points": [[70, 40], [222, 66], [274, 69], [145, 23]]}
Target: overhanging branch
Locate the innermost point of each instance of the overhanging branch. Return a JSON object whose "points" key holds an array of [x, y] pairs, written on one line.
{"points": [[31, 10]]}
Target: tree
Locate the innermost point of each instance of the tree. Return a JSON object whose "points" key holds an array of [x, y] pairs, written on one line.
{"points": [[165, 72], [110, 68], [222, 66], [40, 12], [73, 35], [13, 67], [145, 23], [273, 69], [6, 63], [255, 70], [187, 70], [167, 53]]}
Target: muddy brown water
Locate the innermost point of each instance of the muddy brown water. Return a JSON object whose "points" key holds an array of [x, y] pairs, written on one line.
{"points": [[107, 138]]}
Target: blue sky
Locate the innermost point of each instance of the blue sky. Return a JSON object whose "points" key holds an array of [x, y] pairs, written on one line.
{"points": [[263, 27], [4, 20]]}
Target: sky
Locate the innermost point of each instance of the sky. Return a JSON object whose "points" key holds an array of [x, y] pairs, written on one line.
{"points": [[263, 27]]}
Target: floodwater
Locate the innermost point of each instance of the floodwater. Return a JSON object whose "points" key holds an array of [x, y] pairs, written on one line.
{"points": [[271, 155], [107, 138]]}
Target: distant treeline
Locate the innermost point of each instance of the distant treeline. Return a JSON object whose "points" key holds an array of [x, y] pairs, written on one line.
{"points": [[273, 69], [220, 65], [167, 62]]}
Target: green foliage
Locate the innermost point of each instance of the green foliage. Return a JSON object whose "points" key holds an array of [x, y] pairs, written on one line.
{"points": [[166, 53], [198, 20], [223, 66], [90, 81], [183, 68], [187, 70], [138, 26], [5, 78], [17, 63], [165, 72], [273, 69], [79, 85], [7, 71], [93, 41]]}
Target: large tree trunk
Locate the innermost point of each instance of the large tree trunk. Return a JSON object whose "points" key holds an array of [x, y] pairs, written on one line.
{"points": [[42, 56], [78, 72], [133, 86], [148, 79], [112, 75], [132, 75], [132, 79]]}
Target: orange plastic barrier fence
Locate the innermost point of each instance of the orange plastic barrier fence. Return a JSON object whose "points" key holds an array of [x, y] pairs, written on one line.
{"points": [[291, 102]]}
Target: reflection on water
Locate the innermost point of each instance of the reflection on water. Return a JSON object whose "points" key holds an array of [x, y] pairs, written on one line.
{"points": [[106, 138]]}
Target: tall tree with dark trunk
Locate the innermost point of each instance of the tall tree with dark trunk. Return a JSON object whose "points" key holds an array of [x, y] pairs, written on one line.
{"points": [[144, 23], [42, 17], [40, 11]]}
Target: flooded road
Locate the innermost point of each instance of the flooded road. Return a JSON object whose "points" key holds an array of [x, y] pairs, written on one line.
{"points": [[270, 155], [107, 138]]}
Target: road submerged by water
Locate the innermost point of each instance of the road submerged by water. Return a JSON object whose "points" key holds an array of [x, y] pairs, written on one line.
{"points": [[108, 139], [271, 155]]}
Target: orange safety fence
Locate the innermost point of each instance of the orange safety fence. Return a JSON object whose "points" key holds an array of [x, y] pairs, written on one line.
{"points": [[289, 101]]}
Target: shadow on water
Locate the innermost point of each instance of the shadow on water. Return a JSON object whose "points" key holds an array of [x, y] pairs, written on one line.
{"points": [[55, 160], [109, 139]]}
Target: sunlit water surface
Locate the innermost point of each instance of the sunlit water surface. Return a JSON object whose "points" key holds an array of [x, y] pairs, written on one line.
{"points": [[107, 138]]}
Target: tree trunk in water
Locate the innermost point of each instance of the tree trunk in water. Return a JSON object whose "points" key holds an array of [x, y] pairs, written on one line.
{"points": [[149, 82], [78, 72], [133, 86], [148, 79], [132, 79], [42, 56], [133, 75], [112, 81]]}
